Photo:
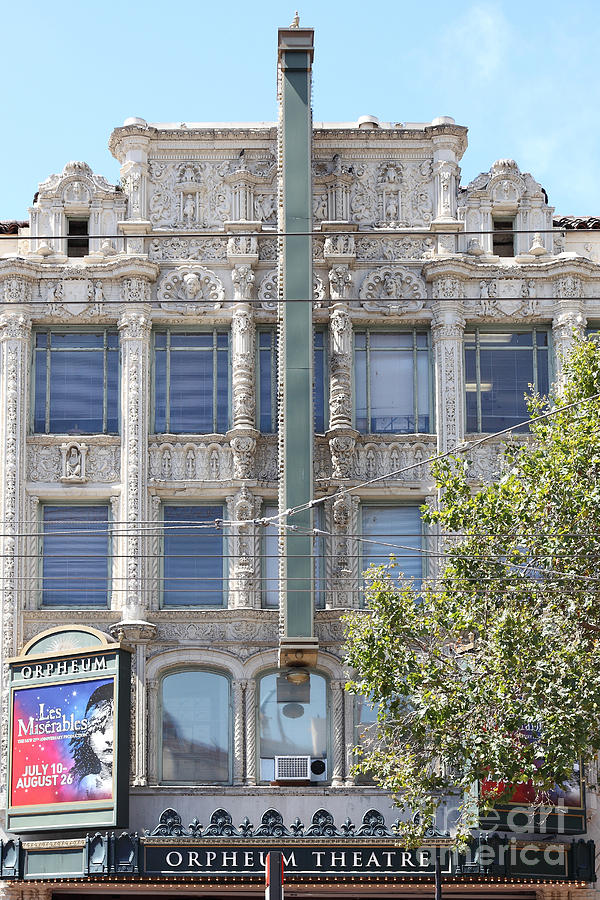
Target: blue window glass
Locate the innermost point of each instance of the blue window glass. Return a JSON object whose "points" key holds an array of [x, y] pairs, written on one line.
{"points": [[196, 726], [270, 560], [319, 385], [191, 382], [393, 531], [267, 381], [193, 556], [75, 556], [76, 377], [392, 382], [499, 369]]}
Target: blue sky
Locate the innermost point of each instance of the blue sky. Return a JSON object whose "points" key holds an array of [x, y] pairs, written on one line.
{"points": [[521, 74]]}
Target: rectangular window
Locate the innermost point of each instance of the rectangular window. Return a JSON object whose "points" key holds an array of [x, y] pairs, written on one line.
{"points": [[266, 412], [392, 382], [270, 561], [267, 381], [393, 531], [78, 240], [320, 380], [76, 377], [75, 556], [191, 382], [503, 239], [498, 371], [194, 559]]}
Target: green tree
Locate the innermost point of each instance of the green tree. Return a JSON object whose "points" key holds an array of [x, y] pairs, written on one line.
{"points": [[508, 636]]}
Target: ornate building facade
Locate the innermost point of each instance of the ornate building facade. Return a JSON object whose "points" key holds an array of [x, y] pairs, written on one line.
{"points": [[141, 406]]}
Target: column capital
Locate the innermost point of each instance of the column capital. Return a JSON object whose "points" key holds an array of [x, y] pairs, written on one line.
{"points": [[15, 326]]}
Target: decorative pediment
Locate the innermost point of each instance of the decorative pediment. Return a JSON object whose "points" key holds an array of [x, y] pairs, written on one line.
{"points": [[77, 186]]}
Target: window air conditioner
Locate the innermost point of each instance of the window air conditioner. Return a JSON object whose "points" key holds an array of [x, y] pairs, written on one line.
{"points": [[300, 768]]}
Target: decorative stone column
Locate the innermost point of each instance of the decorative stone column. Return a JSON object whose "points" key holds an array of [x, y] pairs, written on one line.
{"points": [[131, 148], [244, 551], [135, 327], [569, 320], [250, 723], [447, 332], [138, 635], [153, 742], [239, 717], [341, 582], [349, 736], [15, 335], [341, 434], [339, 736]]}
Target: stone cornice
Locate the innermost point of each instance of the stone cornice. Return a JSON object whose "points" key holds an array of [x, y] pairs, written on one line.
{"points": [[467, 270], [208, 135], [114, 267]]}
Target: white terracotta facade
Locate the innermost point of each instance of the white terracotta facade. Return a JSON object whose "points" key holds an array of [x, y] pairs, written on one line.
{"points": [[146, 269]]}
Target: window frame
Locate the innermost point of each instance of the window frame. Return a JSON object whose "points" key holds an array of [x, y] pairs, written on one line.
{"points": [[182, 329], [476, 330], [328, 719], [224, 561], [369, 330], [421, 554], [51, 329], [40, 552], [178, 670]]}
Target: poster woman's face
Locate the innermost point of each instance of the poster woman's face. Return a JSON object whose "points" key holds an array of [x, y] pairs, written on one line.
{"points": [[101, 738]]}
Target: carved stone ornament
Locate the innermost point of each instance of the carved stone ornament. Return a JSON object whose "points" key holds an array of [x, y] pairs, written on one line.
{"points": [[243, 456], [135, 290], [568, 287], [191, 194], [392, 289], [190, 290], [268, 291], [212, 249], [342, 455], [15, 290], [448, 288], [73, 458], [243, 279], [394, 248], [340, 282]]}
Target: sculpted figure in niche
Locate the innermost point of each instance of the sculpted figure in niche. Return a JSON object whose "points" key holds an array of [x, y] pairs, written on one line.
{"points": [[189, 209], [74, 463]]}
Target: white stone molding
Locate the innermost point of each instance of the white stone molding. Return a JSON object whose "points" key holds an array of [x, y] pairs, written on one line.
{"points": [[15, 290], [340, 282], [447, 332], [179, 249], [388, 249], [190, 290], [238, 689], [446, 174], [243, 361], [47, 459], [339, 247], [268, 290], [340, 367], [252, 188], [15, 335], [332, 180], [242, 249], [392, 290], [338, 733], [134, 328], [195, 460]]}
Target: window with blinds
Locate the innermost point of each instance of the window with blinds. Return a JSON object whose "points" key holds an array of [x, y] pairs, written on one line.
{"points": [[266, 413], [270, 560], [499, 368], [392, 382], [194, 556], [75, 551], [191, 382], [393, 531], [76, 378]]}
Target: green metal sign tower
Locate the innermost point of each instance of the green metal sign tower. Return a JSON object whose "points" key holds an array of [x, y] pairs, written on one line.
{"points": [[298, 645]]}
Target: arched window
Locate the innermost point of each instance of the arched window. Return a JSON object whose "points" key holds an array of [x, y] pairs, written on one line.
{"points": [[293, 720], [195, 728]]}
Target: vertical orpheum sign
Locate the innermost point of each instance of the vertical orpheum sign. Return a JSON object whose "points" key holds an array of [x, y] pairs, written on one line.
{"points": [[69, 732], [295, 54]]}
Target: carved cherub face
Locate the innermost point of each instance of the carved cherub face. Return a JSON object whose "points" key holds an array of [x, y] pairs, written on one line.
{"points": [[192, 285]]}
